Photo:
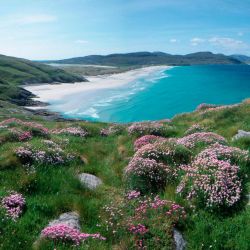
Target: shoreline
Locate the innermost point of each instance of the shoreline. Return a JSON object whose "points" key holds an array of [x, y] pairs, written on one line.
{"points": [[45, 93]]}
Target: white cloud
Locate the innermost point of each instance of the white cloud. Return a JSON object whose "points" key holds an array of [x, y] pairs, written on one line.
{"points": [[196, 41], [240, 33], [173, 40], [81, 41], [32, 19], [228, 43]]}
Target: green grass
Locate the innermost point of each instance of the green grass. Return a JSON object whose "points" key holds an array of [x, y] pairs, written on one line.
{"points": [[209, 232], [52, 190]]}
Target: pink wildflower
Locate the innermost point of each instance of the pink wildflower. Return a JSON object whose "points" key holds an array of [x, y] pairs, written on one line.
{"points": [[208, 138], [14, 204], [142, 128], [65, 233], [71, 131], [133, 195], [32, 125], [146, 139], [212, 177], [138, 229]]}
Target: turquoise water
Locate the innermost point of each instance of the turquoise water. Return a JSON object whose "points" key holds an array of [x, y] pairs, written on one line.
{"points": [[162, 94]]}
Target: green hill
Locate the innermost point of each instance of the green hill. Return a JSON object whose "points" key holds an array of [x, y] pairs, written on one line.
{"points": [[16, 71], [242, 58], [154, 58]]}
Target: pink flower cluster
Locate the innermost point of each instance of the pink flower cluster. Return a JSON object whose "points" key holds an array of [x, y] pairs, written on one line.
{"points": [[166, 151], [212, 178], [138, 229], [176, 212], [143, 128], [195, 128], [173, 210], [221, 152], [207, 138], [32, 125], [52, 155], [64, 233], [157, 203], [154, 165], [148, 170], [112, 130], [39, 128], [14, 204], [146, 139], [133, 195], [156, 151], [71, 131], [25, 136], [145, 217], [21, 135]]}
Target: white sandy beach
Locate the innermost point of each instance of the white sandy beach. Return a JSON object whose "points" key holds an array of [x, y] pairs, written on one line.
{"points": [[49, 92]]}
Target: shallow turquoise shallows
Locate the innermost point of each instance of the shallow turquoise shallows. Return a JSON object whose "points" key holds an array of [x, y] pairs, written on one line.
{"points": [[161, 95]]}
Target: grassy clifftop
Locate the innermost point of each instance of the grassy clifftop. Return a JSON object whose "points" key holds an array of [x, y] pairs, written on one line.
{"points": [[42, 160], [16, 71]]}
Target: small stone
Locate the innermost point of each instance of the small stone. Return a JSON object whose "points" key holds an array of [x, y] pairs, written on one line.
{"points": [[90, 181], [241, 134], [180, 242]]}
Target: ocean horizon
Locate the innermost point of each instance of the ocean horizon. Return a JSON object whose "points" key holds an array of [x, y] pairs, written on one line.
{"points": [[158, 94]]}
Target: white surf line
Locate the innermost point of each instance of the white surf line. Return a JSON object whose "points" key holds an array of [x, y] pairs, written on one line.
{"points": [[53, 92]]}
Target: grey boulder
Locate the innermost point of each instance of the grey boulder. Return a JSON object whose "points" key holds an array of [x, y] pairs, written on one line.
{"points": [[70, 219], [241, 134], [180, 242], [90, 181]]}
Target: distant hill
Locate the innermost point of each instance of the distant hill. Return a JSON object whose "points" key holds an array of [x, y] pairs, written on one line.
{"points": [[16, 71], [242, 58], [151, 58]]}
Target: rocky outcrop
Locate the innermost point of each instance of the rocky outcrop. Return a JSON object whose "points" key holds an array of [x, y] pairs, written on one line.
{"points": [[90, 181], [180, 242], [23, 98], [70, 219], [241, 134]]}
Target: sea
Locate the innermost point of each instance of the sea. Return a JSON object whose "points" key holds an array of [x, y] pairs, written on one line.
{"points": [[159, 95]]}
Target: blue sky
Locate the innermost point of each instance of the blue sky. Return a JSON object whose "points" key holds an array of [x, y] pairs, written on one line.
{"points": [[55, 29]]}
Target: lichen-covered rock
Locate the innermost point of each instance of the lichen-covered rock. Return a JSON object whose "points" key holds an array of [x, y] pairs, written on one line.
{"points": [[180, 242], [90, 181], [241, 134], [70, 219]]}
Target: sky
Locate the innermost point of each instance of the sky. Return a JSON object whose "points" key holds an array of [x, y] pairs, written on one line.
{"points": [[57, 29]]}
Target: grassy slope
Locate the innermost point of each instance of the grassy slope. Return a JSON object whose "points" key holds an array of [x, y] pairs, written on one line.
{"points": [[55, 189], [16, 71]]}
